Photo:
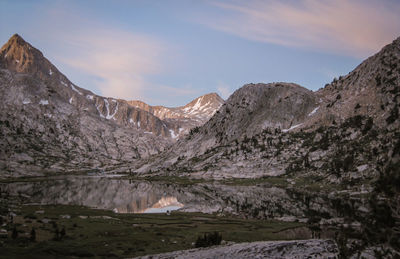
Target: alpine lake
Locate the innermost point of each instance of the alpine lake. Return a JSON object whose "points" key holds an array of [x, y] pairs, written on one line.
{"points": [[97, 215]]}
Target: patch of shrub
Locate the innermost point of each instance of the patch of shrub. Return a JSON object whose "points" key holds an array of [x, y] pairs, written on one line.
{"points": [[209, 239]]}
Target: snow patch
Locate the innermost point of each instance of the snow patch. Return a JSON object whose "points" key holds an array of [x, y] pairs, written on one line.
{"points": [[50, 72], [98, 109], [138, 123], [17, 60], [76, 90], [44, 102], [198, 104], [131, 121], [63, 83], [70, 100], [173, 134], [26, 101], [110, 116], [313, 111], [195, 108], [89, 97], [148, 132], [293, 127]]}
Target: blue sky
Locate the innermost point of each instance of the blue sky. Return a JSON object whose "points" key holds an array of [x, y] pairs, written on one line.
{"points": [[168, 52]]}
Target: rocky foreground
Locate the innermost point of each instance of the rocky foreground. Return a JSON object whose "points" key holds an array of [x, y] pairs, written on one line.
{"points": [[314, 248]]}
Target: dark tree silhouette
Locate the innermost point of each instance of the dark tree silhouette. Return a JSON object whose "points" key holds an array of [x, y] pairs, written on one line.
{"points": [[14, 234], [33, 235]]}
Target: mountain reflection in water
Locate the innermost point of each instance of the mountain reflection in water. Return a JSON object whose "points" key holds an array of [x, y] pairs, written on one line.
{"points": [[128, 196], [163, 205], [121, 196]]}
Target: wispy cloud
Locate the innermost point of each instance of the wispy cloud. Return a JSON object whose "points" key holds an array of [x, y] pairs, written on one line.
{"points": [[355, 28], [119, 59]]}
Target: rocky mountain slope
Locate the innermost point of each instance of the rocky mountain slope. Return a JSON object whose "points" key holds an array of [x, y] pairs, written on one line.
{"points": [[19, 56], [248, 111], [193, 114], [51, 124], [263, 129]]}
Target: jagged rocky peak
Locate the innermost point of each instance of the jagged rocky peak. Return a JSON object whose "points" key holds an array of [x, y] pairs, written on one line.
{"points": [[19, 56]]}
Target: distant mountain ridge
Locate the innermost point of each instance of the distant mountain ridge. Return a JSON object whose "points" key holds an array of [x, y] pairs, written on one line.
{"points": [[71, 123], [193, 114]]}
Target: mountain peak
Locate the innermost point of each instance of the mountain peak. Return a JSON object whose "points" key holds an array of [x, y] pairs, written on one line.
{"points": [[210, 99], [19, 56], [16, 40]]}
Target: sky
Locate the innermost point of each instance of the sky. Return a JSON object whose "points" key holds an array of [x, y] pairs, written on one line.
{"points": [[168, 52]]}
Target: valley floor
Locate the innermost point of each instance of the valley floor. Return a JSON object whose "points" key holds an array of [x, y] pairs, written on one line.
{"points": [[75, 231]]}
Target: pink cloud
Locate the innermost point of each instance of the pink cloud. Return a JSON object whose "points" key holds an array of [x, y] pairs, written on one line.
{"points": [[355, 28], [120, 60]]}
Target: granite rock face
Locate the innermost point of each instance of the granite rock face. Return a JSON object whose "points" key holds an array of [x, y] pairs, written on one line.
{"points": [[273, 249]]}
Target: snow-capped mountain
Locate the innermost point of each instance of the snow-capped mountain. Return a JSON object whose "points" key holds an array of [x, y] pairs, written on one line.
{"points": [[184, 118]]}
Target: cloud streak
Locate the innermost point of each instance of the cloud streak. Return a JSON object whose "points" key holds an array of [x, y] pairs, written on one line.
{"points": [[119, 60], [354, 28]]}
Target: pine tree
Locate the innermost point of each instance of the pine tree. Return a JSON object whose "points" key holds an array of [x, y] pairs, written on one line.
{"points": [[14, 234], [33, 235]]}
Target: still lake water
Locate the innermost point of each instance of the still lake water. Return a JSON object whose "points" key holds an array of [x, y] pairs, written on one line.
{"points": [[109, 193], [127, 196]]}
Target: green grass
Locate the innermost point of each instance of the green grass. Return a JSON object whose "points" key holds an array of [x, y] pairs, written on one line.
{"points": [[127, 235]]}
